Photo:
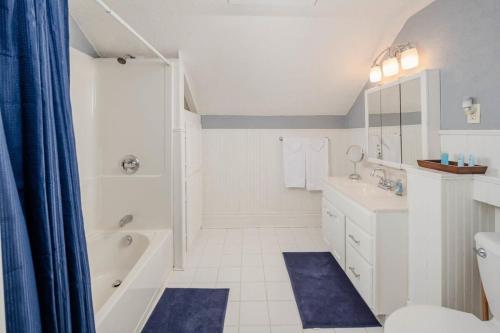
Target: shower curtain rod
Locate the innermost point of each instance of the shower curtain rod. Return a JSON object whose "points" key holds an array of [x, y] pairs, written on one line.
{"points": [[131, 30]]}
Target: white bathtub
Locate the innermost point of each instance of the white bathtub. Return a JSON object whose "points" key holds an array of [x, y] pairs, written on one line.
{"points": [[142, 267]]}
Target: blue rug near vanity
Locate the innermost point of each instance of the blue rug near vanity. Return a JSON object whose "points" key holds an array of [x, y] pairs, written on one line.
{"points": [[324, 294], [189, 310]]}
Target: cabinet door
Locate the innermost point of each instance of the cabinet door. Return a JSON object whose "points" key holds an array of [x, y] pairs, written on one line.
{"points": [[391, 124], [338, 238], [411, 121], [327, 223], [333, 225]]}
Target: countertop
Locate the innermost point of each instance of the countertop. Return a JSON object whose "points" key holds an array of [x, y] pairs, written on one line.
{"points": [[368, 195]]}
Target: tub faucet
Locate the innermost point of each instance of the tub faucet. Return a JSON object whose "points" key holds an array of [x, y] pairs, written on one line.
{"points": [[126, 220]]}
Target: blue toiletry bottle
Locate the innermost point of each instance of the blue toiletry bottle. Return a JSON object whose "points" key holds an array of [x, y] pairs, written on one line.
{"points": [[445, 158], [472, 160], [399, 188], [461, 160]]}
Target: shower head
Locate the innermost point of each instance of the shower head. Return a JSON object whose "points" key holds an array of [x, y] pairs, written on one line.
{"points": [[123, 60]]}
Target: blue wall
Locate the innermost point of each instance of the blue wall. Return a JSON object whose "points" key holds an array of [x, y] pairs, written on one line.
{"points": [[462, 39]]}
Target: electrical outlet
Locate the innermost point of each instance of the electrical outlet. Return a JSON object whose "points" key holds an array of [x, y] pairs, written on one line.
{"points": [[474, 117]]}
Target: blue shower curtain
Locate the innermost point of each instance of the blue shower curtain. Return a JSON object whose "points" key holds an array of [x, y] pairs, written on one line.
{"points": [[45, 265]]}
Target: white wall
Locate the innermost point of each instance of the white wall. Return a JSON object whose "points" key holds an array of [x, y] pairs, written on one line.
{"points": [[194, 177], [84, 118], [243, 177]]}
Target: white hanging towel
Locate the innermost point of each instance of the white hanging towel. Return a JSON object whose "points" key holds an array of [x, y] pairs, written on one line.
{"points": [[294, 162], [317, 166]]}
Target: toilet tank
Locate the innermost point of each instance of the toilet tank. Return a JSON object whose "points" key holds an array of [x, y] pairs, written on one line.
{"points": [[488, 258]]}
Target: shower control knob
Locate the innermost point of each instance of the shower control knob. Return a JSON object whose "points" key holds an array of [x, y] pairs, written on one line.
{"points": [[130, 164]]}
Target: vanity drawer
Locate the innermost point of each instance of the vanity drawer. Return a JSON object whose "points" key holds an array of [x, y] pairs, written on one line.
{"points": [[360, 273], [359, 240]]}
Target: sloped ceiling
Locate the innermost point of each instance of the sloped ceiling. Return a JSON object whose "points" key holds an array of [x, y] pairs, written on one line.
{"points": [[257, 60]]}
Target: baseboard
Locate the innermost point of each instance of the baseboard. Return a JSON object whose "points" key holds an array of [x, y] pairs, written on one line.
{"points": [[261, 220]]}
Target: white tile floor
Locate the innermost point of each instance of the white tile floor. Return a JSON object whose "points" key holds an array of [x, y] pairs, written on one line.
{"points": [[249, 262]]}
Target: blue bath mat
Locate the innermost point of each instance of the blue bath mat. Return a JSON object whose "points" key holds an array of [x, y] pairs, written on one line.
{"points": [[186, 310], [324, 294]]}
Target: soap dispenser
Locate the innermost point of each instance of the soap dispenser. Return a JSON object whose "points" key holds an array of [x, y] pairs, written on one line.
{"points": [[398, 188]]}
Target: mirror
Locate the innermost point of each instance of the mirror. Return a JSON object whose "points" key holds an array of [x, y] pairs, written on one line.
{"points": [[355, 154], [374, 125], [403, 120], [411, 121], [384, 119], [391, 121]]}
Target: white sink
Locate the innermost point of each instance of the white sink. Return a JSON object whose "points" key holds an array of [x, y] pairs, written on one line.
{"points": [[368, 195]]}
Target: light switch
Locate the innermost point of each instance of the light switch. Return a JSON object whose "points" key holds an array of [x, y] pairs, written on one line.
{"points": [[474, 116]]}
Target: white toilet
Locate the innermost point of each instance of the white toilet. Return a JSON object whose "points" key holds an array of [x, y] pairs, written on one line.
{"points": [[434, 319]]}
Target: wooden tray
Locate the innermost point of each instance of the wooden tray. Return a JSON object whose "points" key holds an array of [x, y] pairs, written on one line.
{"points": [[452, 168]]}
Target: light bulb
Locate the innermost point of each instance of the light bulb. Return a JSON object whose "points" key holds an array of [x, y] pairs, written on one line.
{"points": [[390, 66], [376, 74], [409, 59]]}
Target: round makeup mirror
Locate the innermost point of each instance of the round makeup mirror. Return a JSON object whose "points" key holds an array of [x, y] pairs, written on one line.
{"points": [[355, 154]]}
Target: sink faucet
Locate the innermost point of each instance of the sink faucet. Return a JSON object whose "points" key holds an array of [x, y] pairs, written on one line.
{"points": [[384, 183], [126, 220]]}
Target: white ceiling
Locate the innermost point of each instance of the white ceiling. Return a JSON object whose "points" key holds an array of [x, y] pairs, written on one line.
{"points": [[257, 59]]}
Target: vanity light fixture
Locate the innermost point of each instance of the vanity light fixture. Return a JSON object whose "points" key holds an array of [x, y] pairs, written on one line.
{"points": [[388, 61], [390, 67], [376, 74], [410, 59]]}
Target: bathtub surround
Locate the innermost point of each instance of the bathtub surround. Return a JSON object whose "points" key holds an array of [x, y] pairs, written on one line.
{"points": [[189, 311], [45, 267], [324, 294], [110, 100]]}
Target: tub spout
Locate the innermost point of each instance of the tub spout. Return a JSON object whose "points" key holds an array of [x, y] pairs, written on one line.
{"points": [[126, 220]]}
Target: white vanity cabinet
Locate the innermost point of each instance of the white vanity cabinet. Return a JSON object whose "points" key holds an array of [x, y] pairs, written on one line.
{"points": [[368, 236], [333, 222]]}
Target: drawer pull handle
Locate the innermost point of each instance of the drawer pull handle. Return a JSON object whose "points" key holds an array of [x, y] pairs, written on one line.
{"points": [[353, 270], [354, 239]]}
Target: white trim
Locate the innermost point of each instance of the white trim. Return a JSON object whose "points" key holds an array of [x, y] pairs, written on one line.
{"points": [[469, 132], [247, 220], [131, 30]]}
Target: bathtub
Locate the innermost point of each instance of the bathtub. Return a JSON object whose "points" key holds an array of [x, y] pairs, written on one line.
{"points": [[128, 271]]}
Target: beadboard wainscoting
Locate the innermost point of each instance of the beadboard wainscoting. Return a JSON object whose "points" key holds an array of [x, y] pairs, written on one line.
{"points": [[443, 220], [243, 177], [484, 144]]}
